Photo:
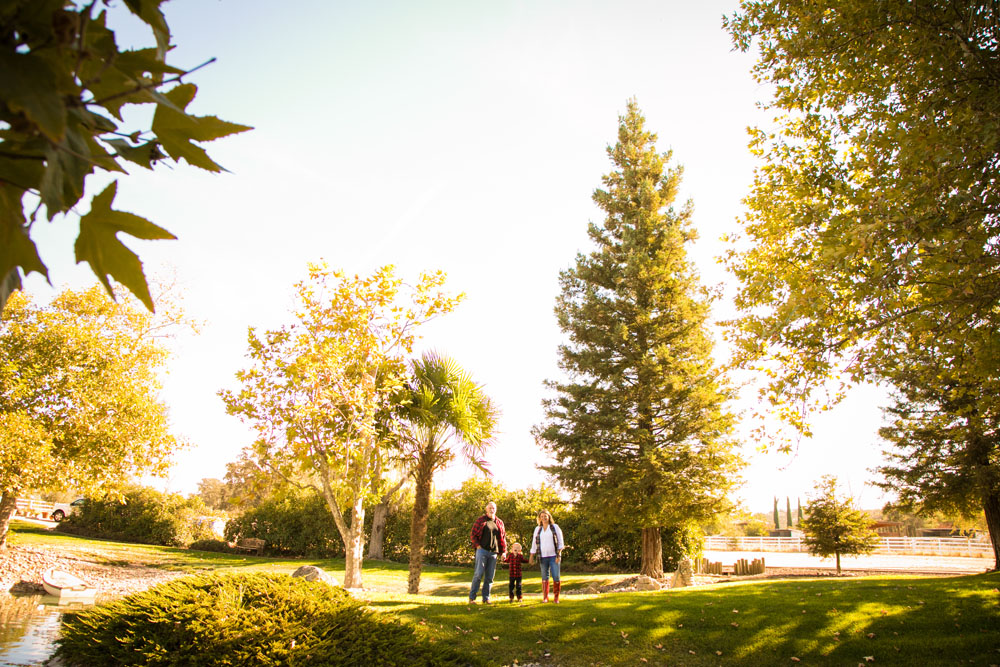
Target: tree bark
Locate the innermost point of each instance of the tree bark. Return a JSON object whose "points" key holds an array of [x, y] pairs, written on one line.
{"points": [[991, 506], [8, 503], [376, 545], [418, 523], [838, 562], [355, 546], [652, 553]]}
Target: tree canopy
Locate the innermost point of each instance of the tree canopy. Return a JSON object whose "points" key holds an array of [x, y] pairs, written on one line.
{"points": [[869, 248], [834, 526], [640, 424], [320, 391], [79, 405], [63, 86]]}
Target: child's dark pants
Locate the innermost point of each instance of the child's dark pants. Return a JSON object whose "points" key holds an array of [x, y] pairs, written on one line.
{"points": [[515, 585]]}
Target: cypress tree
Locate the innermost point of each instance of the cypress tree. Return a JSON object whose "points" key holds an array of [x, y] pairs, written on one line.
{"points": [[777, 518], [788, 512], [639, 427]]}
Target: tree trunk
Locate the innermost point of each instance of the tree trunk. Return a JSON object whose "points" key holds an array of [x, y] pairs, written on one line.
{"points": [[355, 546], [652, 553], [991, 506], [380, 515], [418, 523], [7, 506], [838, 562], [376, 546]]}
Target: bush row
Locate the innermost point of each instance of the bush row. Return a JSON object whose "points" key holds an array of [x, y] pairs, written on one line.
{"points": [[297, 523], [142, 515]]}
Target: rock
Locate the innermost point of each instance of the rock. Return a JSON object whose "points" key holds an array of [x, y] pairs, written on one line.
{"points": [[313, 573], [644, 583], [684, 576]]}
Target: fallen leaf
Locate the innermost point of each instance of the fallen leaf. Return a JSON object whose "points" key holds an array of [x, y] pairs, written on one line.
{"points": [[869, 658], [594, 620], [736, 611], [794, 659], [613, 623], [659, 647], [624, 634], [643, 660], [735, 625], [691, 652], [680, 625], [540, 641], [871, 635], [495, 638], [718, 653]]}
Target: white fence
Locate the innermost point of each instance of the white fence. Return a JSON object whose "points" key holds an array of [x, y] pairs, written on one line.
{"points": [[934, 546]]}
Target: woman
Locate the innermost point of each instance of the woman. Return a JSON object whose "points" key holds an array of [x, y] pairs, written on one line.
{"points": [[548, 543]]}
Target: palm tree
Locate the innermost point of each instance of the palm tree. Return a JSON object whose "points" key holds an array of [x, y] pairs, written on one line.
{"points": [[442, 407]]}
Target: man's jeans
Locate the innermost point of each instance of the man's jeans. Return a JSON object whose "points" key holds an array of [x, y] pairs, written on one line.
{"points": [[549, 563], [486, 565]]}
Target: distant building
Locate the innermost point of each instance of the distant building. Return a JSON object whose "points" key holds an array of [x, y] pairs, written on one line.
{"points": [[786, 532], [889, 528]]}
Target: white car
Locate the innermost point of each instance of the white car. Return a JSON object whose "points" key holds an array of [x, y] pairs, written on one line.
{"points": [[61, 510]]}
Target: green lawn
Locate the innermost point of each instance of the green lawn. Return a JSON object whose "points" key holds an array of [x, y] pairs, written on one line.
{"points": [[828, 621]]}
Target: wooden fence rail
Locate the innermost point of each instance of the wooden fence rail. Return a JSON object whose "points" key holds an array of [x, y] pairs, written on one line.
{"points": [[935, 546]]}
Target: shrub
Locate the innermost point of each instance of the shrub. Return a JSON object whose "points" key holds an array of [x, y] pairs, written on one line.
{"points": [[293, 522], [210, 545], [244, 619], [142, 515]]}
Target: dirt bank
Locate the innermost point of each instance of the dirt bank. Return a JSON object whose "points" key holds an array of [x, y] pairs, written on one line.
{"points": [[21, 571]]}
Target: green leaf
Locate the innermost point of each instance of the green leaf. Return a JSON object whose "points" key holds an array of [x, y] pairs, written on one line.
{"points": [[28, 85], [67, 165], [177, 130], [149, 11], [16, 248], [98, 244], [143, 155]]}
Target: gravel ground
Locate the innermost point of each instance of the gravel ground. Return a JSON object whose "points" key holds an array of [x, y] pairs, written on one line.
{"points": [[21, 571]]}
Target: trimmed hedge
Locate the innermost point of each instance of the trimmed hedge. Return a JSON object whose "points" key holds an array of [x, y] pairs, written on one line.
{"points": [[244, 619], [143, 515]]}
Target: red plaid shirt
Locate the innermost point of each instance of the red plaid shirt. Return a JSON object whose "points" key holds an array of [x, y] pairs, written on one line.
{"points": [[514, 561], [477, 531]]}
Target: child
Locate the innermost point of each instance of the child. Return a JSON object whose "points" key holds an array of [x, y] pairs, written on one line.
{"points": [[513, 561]]}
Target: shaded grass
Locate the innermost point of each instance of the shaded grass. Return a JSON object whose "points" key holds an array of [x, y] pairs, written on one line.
{"points": [[825, 621]]}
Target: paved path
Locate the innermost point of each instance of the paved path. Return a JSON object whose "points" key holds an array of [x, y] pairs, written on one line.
{"points": [[885, 562]]}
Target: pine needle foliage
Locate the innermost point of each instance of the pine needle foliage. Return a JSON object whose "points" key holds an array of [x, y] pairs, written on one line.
{"points": [[640, 425], [257, 619]]}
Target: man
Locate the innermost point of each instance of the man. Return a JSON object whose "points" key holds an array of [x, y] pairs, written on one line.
{"points": [[490, 539]]}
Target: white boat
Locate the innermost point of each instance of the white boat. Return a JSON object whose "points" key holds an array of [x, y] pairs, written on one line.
{"points": [[67, 587]]}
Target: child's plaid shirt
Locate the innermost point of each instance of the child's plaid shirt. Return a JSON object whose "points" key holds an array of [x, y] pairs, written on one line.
{"points": [[514, 561]]}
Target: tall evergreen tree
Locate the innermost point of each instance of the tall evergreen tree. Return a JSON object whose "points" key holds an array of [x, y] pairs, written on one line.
{"points": [[788, 512], [777, 518], [639, 427]]}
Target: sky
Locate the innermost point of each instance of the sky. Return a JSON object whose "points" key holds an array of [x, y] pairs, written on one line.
{"points": [[456, 135]]}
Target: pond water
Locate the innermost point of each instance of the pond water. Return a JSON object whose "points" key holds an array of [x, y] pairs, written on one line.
{"points": [[29, 625]]}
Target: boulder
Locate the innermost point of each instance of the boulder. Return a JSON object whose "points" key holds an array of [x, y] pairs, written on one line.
{"points": [[684, 576], [313, 573], [644, 583]]}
